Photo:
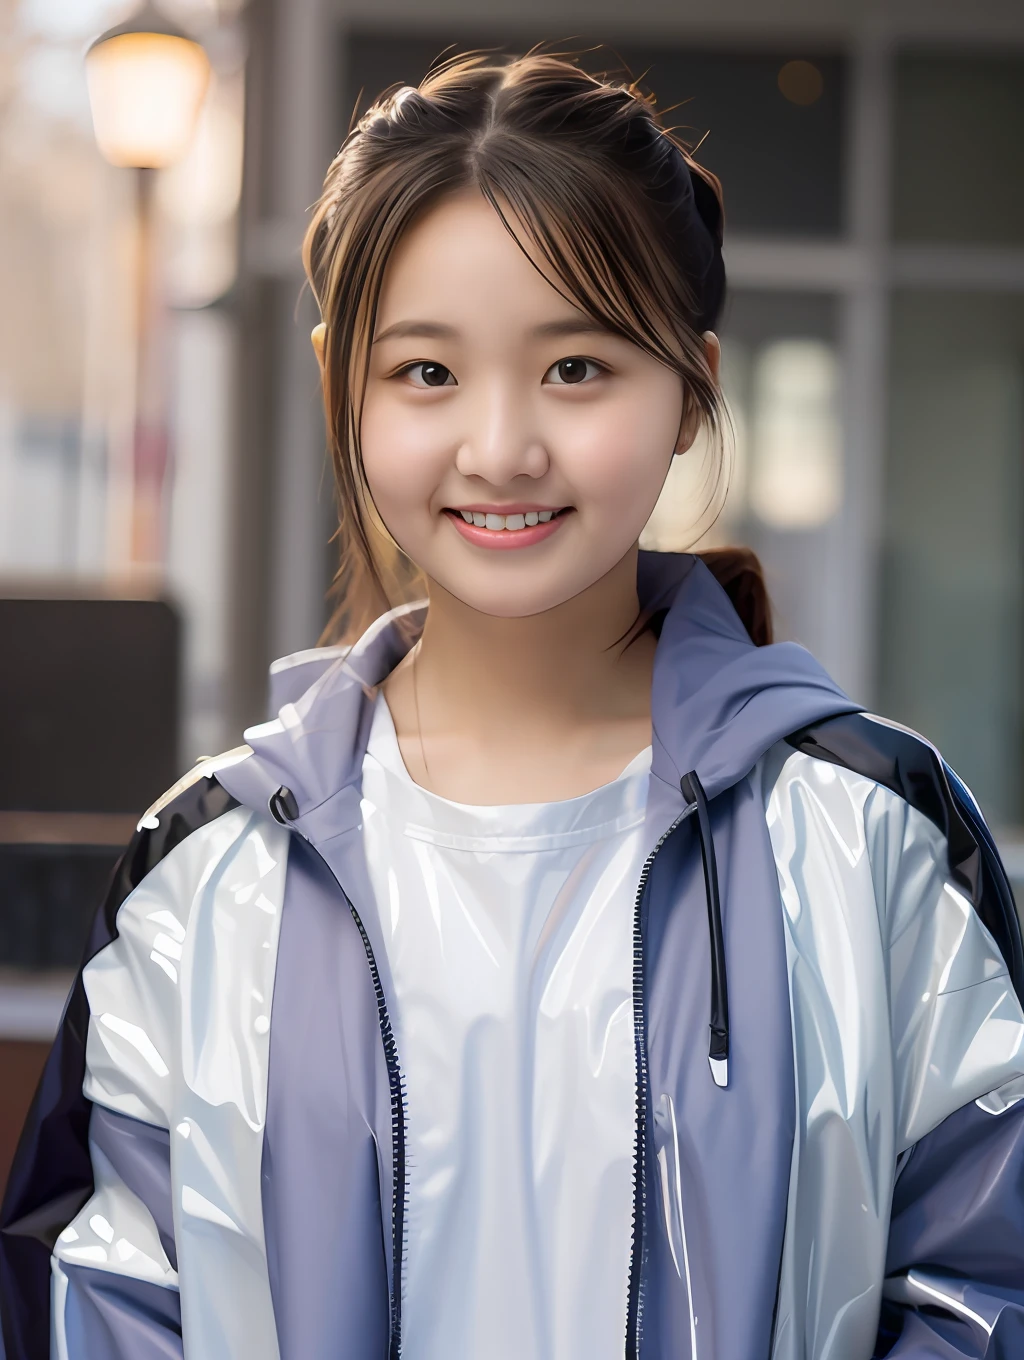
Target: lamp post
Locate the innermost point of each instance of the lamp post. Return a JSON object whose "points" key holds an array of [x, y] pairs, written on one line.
{"points": [[147, 80]]}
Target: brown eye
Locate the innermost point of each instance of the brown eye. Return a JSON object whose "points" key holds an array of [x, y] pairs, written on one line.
{"points": [[430, 374], [572, 371]]}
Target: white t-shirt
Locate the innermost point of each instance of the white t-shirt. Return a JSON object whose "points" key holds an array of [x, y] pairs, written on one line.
{"points": [[509, 934]]}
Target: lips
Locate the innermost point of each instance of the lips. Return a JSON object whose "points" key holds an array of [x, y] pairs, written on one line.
{"points": [[497, 531]]}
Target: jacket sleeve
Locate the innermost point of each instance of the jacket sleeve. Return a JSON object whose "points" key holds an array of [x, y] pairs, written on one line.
{"points": [[954, 1273], [955, 1268], [87, 1259], [954, 1286], [114, 1283]]}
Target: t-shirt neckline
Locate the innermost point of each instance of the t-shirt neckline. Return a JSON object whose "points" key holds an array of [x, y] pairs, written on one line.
{"points": [[605, 811]]}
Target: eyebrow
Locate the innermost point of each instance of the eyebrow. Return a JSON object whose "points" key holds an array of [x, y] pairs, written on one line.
{"points": [[435, 330]]}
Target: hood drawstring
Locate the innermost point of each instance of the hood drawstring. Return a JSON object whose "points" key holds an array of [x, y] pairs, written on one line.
{"points": [[718, 1052]]}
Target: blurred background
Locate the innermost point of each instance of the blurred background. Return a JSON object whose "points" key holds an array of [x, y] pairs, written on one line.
{"points": [[165, 506]]}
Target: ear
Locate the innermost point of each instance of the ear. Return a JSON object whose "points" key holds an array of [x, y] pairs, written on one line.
{"points": [[713, 353], [319, 339], [688, 428]]}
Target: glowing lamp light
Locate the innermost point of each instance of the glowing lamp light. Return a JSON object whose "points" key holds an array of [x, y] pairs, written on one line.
{"points": [[147, 81]]}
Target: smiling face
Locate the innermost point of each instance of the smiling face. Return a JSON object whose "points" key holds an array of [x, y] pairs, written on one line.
{"points": [[490, 397]]}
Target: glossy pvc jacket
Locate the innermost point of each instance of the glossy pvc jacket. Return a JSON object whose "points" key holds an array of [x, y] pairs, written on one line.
{"points": [[248, 1160]]}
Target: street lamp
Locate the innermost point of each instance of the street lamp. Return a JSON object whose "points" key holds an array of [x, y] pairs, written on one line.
{"points": [[147, 80]]}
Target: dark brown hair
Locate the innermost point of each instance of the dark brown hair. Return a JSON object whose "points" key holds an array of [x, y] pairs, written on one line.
{"points": [[580, 169]]}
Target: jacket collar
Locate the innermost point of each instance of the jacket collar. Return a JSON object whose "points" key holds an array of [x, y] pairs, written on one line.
{"points": [[717, 701]]}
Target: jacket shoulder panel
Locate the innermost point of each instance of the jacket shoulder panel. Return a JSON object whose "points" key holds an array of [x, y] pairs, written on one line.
{"points": [[887, 954], [902, 1013], [140, 986], [51, 1175], [908, 765], [179, 1036]]}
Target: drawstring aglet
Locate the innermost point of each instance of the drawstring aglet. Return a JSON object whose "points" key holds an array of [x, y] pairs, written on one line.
{"points": [[718, 1056]]}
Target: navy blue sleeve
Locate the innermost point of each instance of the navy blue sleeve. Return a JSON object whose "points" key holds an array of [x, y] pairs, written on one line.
{"points": [[955, 1267]]}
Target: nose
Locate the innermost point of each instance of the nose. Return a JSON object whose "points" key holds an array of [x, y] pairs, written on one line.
{"points": [[500, 441]]}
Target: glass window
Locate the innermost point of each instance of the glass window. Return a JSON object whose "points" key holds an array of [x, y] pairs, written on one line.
{"points": [[783, 482], [957, 159], [952, 598], [65, 325], [769, 123]]}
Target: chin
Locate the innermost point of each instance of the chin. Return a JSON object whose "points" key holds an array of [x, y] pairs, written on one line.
{"points": [[509, 604], [510, 598], [510, 589]]}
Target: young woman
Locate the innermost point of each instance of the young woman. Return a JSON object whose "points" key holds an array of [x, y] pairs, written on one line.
{"points": [[560, 974]]}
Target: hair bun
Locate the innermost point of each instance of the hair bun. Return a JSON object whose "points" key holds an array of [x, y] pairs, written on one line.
{"points": [[690, 199], [706, 198]]}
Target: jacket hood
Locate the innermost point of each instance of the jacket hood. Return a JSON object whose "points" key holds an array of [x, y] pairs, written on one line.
{"points": [[718, 702]]}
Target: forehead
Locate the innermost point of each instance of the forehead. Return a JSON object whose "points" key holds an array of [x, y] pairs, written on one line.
{"points": [[458, 263]]}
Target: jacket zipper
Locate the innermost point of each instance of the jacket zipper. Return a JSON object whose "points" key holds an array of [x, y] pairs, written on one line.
{"points": [[396, 1086], [635, 1299], [397, 1089]]}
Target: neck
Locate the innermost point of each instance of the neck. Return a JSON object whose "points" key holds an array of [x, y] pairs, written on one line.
{"points": [[565, 665]]}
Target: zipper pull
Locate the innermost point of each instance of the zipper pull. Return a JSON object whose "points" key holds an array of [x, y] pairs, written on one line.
{"points": [[282, 805]]}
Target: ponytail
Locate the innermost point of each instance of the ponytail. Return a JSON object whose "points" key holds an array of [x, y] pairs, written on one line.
{"points": [[738, 571]]}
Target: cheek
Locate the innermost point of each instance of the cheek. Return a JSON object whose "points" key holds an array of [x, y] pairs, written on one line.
{"points": [[403, 454], [619, 454]]}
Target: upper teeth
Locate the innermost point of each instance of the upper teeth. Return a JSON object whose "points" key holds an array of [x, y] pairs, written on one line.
{"points": [[483, 521]]}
